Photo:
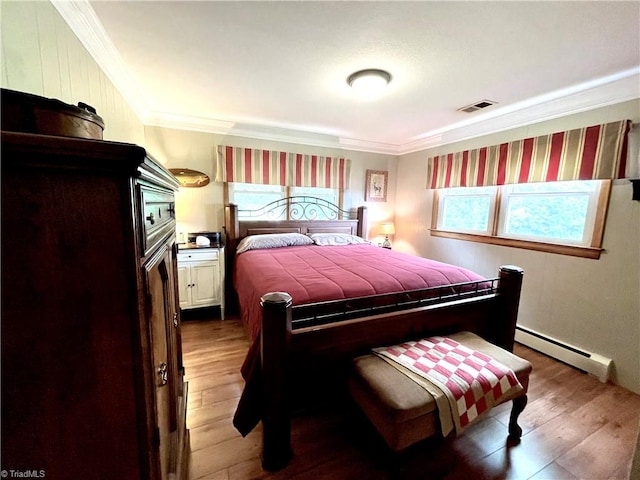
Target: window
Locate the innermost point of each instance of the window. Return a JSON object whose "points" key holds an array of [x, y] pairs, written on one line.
{"points": [[560, 217], [557, 212], [251, 196], [467, 209]]}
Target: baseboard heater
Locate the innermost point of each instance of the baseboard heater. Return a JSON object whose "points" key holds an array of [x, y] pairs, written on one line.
{"points": [[592, 363]]}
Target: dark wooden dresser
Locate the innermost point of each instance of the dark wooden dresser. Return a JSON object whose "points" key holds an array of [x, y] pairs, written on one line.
{"points": [[92, 374]]}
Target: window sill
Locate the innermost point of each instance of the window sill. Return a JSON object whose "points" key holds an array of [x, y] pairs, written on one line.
{"points": [[584, 252]]}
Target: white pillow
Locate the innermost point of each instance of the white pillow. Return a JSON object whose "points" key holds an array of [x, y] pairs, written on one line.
{"points": [[272, 240], [336, 239]]}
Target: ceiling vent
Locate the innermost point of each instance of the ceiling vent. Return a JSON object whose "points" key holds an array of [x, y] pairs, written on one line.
{"points": [[477, 106]]}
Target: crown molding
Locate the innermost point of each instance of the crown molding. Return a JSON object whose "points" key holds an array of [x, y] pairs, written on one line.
{"points": [[609, 90], [368, 146], [183, 122], [240, 129], [266, 132], [83, 21]]}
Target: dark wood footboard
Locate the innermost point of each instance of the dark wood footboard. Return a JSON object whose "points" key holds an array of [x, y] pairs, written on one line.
{"points": [[491, 314]]}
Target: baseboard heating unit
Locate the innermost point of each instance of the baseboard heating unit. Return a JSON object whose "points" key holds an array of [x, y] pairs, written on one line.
{"points": [[592, 363]]}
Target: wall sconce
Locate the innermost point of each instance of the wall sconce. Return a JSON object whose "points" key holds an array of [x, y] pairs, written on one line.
{"points": [[387, 229], [190, 178]]}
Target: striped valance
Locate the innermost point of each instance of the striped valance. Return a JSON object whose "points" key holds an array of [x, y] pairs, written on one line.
{"points": [[269, 167], [596, 152]]}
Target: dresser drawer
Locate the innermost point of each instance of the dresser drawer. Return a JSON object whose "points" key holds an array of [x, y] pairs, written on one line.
{"points": [[195, 255], [158, 215]]}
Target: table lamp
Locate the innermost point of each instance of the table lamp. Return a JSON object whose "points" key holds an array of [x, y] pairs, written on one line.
{"points": [[387, 229]]}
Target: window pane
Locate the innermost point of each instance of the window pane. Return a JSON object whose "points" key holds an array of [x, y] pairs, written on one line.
{"points": [[328, 194], [556, 212], [561, 217], [467, 213], [250, 196]]}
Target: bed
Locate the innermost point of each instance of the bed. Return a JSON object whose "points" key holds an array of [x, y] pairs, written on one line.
{"points": [[311, 308]]}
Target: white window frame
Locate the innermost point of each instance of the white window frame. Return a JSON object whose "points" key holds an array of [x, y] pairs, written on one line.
{"points": [[490, 193], [509, 192], [235, 188], [589, 247], [232, 188], [331, 195]]}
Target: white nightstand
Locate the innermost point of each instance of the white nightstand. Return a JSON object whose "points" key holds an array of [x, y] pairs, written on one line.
{"points": [[201, 277]]}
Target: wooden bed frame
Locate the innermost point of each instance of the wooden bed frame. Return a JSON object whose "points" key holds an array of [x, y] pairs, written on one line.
{"points": [[290, 344]]}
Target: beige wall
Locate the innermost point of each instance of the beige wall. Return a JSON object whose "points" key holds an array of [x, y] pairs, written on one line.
{"points": [[200, 209], [42, 56], [592, 304]]}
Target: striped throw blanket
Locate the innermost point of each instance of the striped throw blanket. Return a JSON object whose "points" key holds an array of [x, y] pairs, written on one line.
{"points": [[465, 383]]}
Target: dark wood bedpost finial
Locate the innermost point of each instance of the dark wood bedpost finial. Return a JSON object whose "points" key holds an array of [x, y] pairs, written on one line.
{"points": [[510, 286], [231, 221], [276, 422]]}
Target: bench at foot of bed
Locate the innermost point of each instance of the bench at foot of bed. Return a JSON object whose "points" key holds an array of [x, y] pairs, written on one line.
{"points": [[404, 412]]}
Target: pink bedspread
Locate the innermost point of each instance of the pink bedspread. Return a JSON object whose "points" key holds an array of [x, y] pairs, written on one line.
{"points": [[317, 273]]}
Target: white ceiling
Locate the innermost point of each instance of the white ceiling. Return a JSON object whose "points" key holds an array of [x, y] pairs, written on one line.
{"points": [[278, 69]]}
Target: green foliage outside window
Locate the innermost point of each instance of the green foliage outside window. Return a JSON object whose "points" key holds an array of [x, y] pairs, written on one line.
{"points": [[466, 213], [553, 216]]}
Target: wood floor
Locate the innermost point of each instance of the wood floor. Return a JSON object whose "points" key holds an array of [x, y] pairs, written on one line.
{"points": [[574, 427]]}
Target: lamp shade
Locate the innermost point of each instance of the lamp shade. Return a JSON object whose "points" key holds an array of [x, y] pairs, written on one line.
{"points": [[387, 228]]}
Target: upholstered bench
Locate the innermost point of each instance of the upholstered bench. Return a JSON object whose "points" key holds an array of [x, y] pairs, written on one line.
{"points": [[403, 411]]}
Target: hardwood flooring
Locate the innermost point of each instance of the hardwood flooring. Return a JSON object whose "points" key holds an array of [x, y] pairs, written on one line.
{"points": [[574, 427]]}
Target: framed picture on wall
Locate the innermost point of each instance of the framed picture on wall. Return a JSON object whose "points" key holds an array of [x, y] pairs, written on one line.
{"points": [[375, 187]]}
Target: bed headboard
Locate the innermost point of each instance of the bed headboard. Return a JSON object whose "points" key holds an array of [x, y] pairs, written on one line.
{"points": [[301, 214], [298, 214]]}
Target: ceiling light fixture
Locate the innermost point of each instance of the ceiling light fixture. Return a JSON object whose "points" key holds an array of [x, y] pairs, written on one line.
{"points": [[370, 82]]}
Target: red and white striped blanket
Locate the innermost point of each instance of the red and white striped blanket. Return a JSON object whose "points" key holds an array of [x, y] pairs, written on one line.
{"points": [[471, 381]]}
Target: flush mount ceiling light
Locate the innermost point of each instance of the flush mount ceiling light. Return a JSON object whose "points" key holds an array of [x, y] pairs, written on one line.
{"points": [[369, 82]]}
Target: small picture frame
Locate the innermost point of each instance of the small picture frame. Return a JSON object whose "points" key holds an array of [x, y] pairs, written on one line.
{"points": [[375, 188]]}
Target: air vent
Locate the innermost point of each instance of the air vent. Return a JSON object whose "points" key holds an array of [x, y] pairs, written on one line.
{"points": [[477, 106]]}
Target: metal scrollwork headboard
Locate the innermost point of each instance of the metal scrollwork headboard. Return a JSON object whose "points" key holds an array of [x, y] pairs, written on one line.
{"points": [[299, 208]]}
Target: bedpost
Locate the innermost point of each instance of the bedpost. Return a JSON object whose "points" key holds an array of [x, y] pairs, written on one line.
{"points": [[274, 339], [231, 224], [509, 289], [362, 221], [232, 232]]}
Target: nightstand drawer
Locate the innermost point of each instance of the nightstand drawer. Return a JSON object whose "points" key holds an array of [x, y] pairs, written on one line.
{"points": [[195, 255]]}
